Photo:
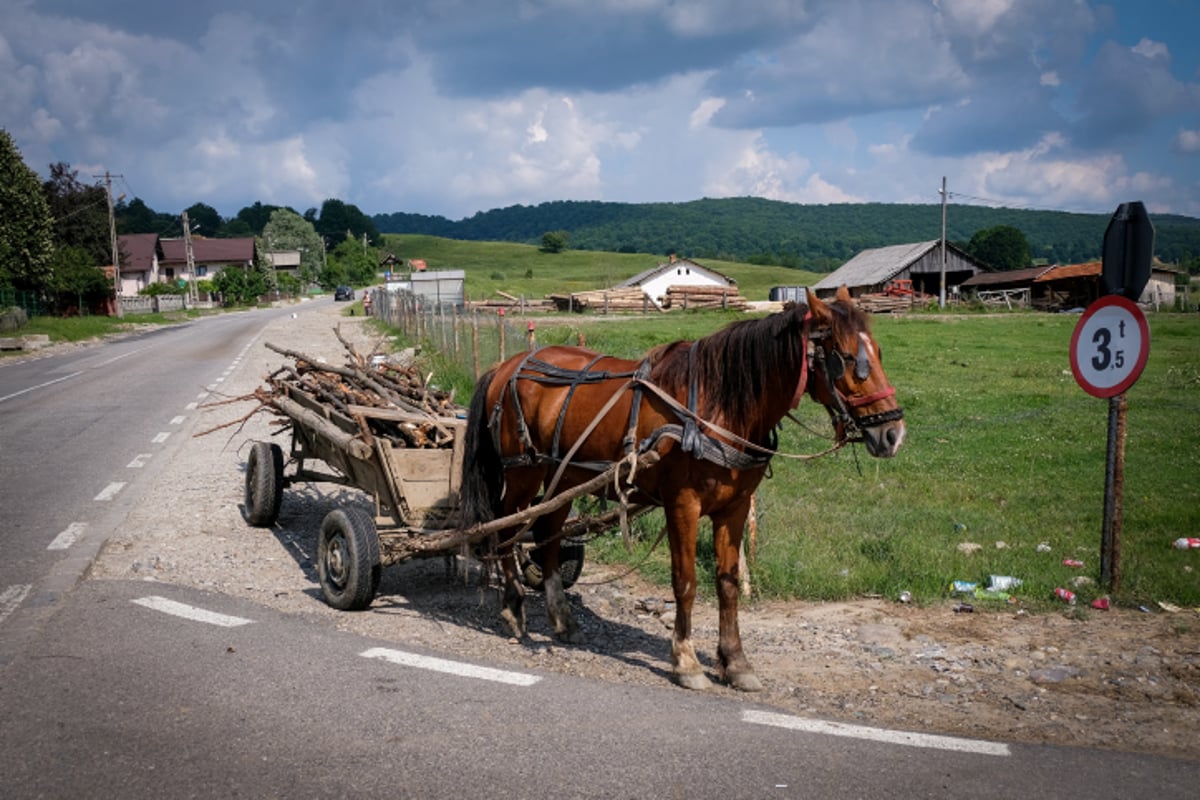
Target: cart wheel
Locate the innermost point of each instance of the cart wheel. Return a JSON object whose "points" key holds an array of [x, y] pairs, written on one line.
{"points": [[264, 484], [570, 564], [348, 564]]}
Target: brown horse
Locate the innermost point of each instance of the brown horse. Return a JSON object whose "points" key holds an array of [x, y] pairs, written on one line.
{"points": [[709, 408]]}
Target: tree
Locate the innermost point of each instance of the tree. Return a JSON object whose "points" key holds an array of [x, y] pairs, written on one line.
{"points": [[239, 286], [137, 217], [555, 241], [287, 230], [338, 220], [204, 219], [26, 227], [1002, 247], [350, 262], [77, 277], [258, 215], [80, 213]]}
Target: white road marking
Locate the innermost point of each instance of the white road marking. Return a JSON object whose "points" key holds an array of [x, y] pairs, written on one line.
{"points": [[191, 406], [12, 597], [177, 420], [110, 491], [139, 461], [450, 667], [202, 396], [68, 537], [906, 738], [219, 380], [40, 386], [115, 359], [161, 437], [176, 609]]}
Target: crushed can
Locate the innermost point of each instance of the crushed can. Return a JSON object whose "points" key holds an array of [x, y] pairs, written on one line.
{"points": [[1066, 595], [1101, 604], [1186, 543], [1072, 562], [964, 608], [962, 587]]}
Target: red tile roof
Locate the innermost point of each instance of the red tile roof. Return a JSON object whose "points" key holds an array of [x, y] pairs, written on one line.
{"points": [[209, 251], [137, 251], [1063, 272]]}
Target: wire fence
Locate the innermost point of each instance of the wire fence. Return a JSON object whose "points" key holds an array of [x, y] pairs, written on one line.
{"points": [[472, 339], [31, 302]]}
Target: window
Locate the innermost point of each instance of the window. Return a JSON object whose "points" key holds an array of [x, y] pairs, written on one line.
{"points": [[201, 272]]}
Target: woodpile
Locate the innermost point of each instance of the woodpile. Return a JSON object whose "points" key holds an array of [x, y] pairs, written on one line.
{"points": [[605, 301], [704, 297], [385, 400], [884, 303], [509, 302]]}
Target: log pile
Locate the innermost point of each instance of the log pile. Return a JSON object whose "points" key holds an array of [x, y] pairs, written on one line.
{"points": [[705, 297], [385, 400], [509, 302], [606, 301], [884, 303]]}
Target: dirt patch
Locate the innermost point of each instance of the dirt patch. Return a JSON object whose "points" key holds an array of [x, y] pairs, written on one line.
{"points": [[1120, 679]]}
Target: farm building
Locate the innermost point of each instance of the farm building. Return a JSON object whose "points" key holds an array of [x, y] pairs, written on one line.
{"points": [[681, 272], [871, 270], [1062, 286]]}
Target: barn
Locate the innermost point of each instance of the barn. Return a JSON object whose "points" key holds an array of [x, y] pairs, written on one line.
{"points": [[870, 271]]}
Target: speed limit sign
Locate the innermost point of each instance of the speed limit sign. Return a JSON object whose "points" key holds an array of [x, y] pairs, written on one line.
{"points": [[1109, 346]]}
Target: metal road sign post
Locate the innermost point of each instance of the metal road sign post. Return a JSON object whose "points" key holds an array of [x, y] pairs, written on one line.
{"points": [[1109, 348]]}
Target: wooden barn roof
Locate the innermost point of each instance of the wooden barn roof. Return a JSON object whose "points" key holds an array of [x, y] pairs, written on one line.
{"points": [[871, 267]]}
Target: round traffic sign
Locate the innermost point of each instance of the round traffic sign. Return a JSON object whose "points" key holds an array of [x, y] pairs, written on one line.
{"points": [[1110, 346]]}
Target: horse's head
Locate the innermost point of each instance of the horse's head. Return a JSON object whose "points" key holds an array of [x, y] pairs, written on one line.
{"points": [[847, 376]]}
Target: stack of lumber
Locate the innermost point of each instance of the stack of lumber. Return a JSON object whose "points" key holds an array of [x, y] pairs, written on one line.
{"points": [[387, 401], [509, 302], [603, 301], [704, 297], [884, 303]]}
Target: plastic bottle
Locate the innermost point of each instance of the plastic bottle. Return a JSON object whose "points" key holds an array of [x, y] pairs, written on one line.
{"points": [[1187, 542]]}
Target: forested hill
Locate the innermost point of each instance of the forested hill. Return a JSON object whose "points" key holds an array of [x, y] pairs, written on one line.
{"points": [[815, 237]]}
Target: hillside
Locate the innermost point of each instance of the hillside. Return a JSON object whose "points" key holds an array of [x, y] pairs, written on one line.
{"points": [[813, 237]]}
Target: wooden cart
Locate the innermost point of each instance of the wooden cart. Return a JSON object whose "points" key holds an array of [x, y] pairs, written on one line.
{"points": [[414, 491]]}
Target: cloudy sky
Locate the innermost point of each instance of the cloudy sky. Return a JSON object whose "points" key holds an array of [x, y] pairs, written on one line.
{"points": [[456, 106]]}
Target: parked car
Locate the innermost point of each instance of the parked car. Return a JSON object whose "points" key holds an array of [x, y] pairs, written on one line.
{"points": [[343, 293]]}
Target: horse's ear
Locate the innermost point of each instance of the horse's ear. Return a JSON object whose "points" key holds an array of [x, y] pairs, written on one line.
{"points": [[817, 307], [843, 294]]}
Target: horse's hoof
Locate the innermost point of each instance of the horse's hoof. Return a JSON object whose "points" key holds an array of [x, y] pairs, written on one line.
{"points": [[516, 626], [696, 681], [745, 682]]}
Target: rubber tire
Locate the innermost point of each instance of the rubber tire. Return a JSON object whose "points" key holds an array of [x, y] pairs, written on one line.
{"points": [[264, 484], [570, 564], [348, 563]]}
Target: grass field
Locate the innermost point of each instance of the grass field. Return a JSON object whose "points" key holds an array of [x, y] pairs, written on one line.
{"points": [[1004, 450], [525, 270]]}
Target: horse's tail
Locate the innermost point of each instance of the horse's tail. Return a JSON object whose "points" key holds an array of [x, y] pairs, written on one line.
{"points": [[482, 475]]}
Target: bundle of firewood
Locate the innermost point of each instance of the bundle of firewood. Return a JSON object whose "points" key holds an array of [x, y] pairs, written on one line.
{"points": [[697, 297], [606, 301]]}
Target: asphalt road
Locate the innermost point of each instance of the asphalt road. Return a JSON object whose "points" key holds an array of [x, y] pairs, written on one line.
{"points": [[131, 689]]}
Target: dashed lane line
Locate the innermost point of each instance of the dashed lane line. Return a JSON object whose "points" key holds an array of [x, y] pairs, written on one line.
{"points": [[40, 386], [12, 597], [459, 668], [160, 437], [68, 537], [139, 461], [178, 420], [110, 491], [907, 738], [177, 609]]}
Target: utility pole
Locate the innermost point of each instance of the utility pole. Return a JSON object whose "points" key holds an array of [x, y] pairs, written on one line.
{"points": [[942, 284], [191, 260], [112, 236]]}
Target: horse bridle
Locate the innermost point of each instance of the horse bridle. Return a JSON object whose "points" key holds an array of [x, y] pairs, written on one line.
{"points": [[832, 363]]}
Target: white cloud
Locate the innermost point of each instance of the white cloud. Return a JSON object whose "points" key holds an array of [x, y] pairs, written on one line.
{"points": [[1151, 49], [1187, 141]]}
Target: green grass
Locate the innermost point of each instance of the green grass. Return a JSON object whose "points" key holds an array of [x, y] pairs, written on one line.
{"points": [[1003, 450], [78, 329], [525, 270]]}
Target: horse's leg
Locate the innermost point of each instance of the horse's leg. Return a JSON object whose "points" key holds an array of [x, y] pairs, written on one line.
{"points": [[520, 486], [727, 538], [683, 517], [558, 611]]}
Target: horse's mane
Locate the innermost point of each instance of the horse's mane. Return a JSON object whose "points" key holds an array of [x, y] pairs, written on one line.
{"points": [[739, 364]]}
